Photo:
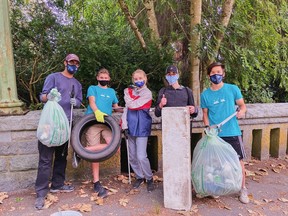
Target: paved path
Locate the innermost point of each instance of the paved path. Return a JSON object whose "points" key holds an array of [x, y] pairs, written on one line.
{"points": [[268, 191]]}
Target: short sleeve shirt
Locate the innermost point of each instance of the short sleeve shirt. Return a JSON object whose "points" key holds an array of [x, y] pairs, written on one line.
{"points": [[221, 104], [104, 99]]}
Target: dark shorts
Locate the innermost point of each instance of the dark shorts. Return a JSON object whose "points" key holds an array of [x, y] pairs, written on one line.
{"points": [[237, 143]]}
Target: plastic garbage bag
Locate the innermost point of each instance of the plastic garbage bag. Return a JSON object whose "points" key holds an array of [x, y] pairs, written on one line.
{"points": [[53, 127], [216, 169]]}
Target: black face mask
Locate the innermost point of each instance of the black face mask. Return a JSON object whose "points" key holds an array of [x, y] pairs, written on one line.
{"points": [[104, 82]]}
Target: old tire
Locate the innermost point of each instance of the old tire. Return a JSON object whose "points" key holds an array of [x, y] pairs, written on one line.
{"points": [[103, 154]]}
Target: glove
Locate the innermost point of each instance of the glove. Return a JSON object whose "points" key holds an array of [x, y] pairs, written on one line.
{"points": [[73, 101], [54, 95], [99, 116]]}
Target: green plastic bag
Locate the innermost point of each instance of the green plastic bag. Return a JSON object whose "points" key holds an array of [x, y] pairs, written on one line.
{"points": [[53, 127], [216, 169]]}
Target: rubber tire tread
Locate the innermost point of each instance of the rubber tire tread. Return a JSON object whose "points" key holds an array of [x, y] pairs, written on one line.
{"points": [[103, 154]]}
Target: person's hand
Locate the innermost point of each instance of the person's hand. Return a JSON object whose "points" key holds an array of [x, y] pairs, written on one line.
{"points": [[163, 101], [99, 115], [54, 95], [126, 132], [73, 101], [191, 109]]}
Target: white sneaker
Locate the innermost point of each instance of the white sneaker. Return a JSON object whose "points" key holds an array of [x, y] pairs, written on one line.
{"points": [[244, 196]]}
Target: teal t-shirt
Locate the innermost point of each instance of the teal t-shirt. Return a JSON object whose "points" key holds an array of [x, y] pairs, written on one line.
{"points": [[104, 99], [221, 104]]}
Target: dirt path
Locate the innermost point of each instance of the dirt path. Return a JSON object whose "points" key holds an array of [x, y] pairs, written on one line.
{"points": [[267, 182]]}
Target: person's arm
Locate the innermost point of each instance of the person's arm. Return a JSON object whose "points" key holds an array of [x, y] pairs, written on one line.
{"points": [[205, 117], [92, 103], [159, 106], [192, 108], [242, 108]]}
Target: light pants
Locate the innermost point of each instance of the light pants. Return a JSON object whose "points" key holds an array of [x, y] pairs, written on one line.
{"points": [[138, 157]]}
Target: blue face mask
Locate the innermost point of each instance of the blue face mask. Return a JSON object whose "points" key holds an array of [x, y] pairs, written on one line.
{"points": [[172, 79], [140, 83], [72, 69], [216, 78]]}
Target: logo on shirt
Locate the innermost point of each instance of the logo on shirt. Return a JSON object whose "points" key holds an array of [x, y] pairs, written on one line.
{"points": [[217, 101], [105, 96]]}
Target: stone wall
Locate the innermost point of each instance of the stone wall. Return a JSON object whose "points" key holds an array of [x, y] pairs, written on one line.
{"points": [[264, 134]]}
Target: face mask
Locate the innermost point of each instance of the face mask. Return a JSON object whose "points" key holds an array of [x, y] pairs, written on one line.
{"points": [[104, 82], [72, 69], [172, 79], [140, 83], [216, 78]]}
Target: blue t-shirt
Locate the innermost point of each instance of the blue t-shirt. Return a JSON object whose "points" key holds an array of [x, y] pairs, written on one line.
{"points": [[104, 99], [221, 104]]}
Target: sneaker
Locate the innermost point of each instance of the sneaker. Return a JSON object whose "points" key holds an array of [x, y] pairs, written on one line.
{"points": [[137, 183], [75, 160], [150, 185], [63, 189], [98, 188], [39, 203], [244, 196]]}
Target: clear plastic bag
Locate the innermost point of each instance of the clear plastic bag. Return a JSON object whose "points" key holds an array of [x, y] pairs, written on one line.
{"points": [[216, 169], [53, 127]]}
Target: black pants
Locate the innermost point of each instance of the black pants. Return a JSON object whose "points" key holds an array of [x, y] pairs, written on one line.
{"points": [[46, 155]]}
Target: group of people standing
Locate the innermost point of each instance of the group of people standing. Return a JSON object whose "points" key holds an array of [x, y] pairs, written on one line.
{"points": [[217, 102]]}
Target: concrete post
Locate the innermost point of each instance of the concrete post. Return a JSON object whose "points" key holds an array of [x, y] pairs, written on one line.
{"points": [[9, 102], [177, 185]]}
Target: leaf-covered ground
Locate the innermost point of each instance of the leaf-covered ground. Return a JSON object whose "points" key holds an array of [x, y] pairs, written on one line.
{"points": [[267, 183]]}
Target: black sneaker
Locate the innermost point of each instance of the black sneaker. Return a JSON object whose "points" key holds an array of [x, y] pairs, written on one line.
{"points": [[75, 160], [63, 189], [39, 203], [137, 183], [150, 185], [98, 188]]}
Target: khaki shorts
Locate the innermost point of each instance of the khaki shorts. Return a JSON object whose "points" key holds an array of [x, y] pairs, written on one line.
{"points": [[96, 133]]}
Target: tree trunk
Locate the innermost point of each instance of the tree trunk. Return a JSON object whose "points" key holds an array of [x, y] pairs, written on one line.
{"points": [[132, 23], [227, 8], [152, 20], [195, 11]]}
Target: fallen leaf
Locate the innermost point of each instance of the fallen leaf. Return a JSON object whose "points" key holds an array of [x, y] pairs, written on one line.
{"points": [[257, 202], [99, 201], [257, 179], [249, 173], [194, 209], [3, 195], [281, 166], [50, 199], [227, 207], [261, 173], [276, 170], [283, 200], [121, 177], [123, 201], [125, 181], [86, 182], [114, 191], [65, 207], [267, 200], [85, 208], [185, 213], [134, 191], [84, 195]]}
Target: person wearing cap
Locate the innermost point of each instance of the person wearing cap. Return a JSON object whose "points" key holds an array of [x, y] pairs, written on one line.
{"points": [[218, 102], [67, 85], [175, 95]]}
